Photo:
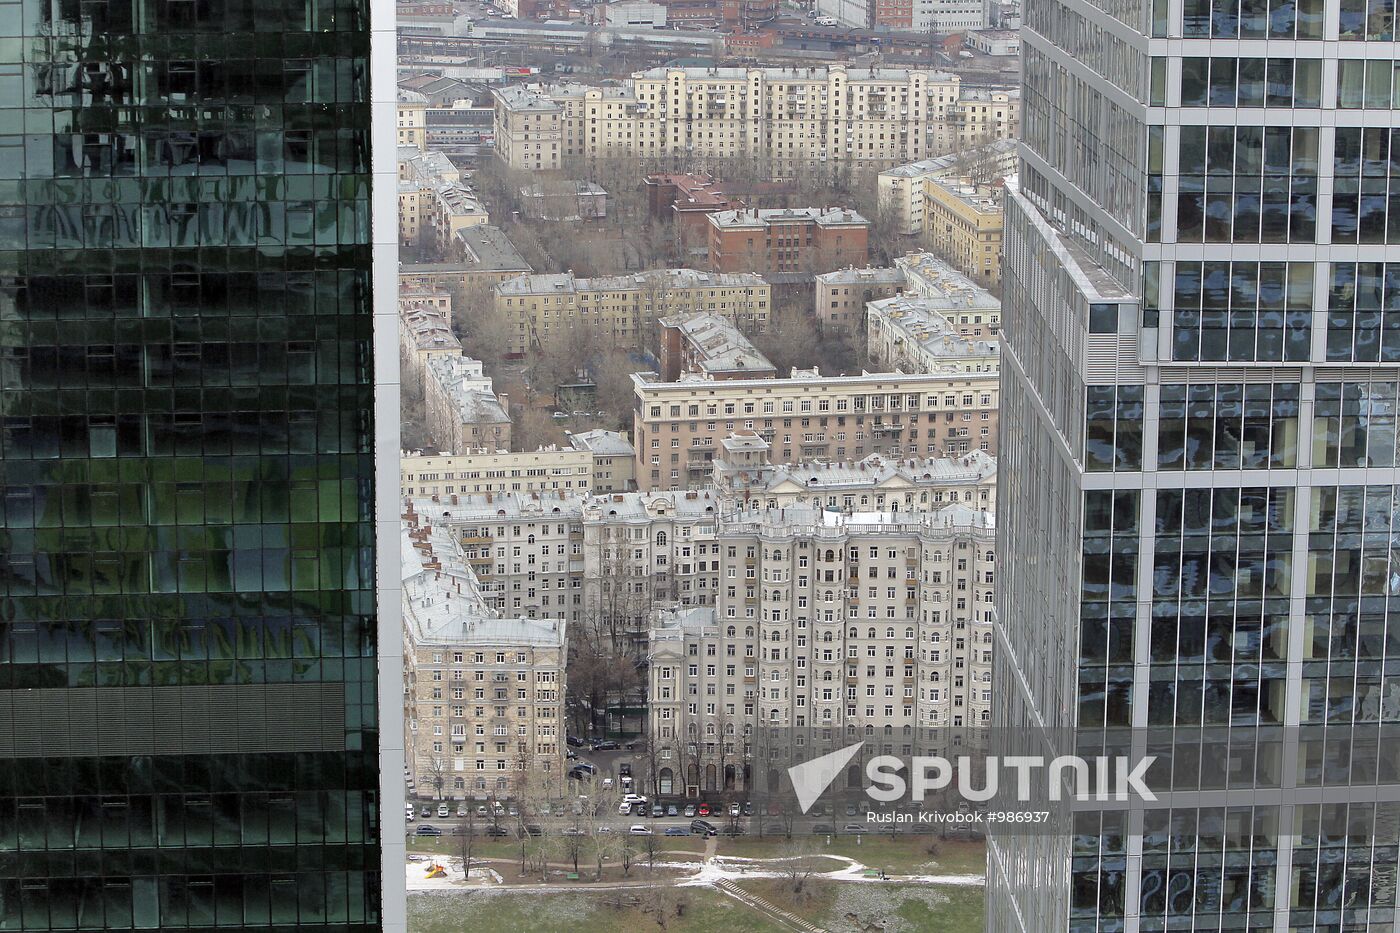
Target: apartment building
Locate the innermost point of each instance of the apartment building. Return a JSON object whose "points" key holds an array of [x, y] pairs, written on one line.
{"points": [[412, 122], [549, 469], [841, 296], [914, 335], [866, 625], [434, 203], [425, 332], [982, 115], [709, 345], [901, 189], [614, 459], [963, 222], [782, 240], [678, 427], [462, 410], [744, 474], [483, 693], [544, 309], [793, 117]]}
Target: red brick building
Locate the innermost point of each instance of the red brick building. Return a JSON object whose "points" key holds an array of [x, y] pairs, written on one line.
{"points": [[807, 241]]}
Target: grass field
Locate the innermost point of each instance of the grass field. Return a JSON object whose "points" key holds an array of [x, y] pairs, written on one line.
{"points": [[903, 855], [704, 911], [894, 908]]}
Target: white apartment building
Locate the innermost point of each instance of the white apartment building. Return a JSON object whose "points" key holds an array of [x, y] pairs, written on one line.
{"points": [[870, 625], [795, 117], [913, 335], [483, 694], [434, 203], [901, 189], [549, 469]]}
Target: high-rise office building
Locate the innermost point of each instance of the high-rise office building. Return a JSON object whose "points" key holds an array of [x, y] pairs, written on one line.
{"points": [[188, 646], [1198, 446]]}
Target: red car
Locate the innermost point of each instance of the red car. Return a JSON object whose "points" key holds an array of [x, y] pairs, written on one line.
{"points": [[704, 809]]}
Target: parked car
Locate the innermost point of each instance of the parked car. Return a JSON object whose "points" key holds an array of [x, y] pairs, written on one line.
{"points": [[624, 808], [442, 811], [586, 766], [748, 808], [410, 816], [704, 809], [574, 740], [823, 828], [572, 831], [633, 798], [626, 783], [638, 829], [497, 831], [850, 809], [425, 812], [481, 810], [579, 774], [657, 810], [607, 782], [702, 828], [427, 830], [734, 809], [677, 831], [671, 810], [776, 829], [571, 755], [855, 828], [606, 746], [624, 769], [534, 829], [689, 811], [461, 811]]}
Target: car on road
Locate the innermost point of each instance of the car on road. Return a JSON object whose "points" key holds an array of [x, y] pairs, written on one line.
{"points": [[534, 829], [586, 766], [442, 811], [677, 831], [571, 755], [606, 746], [702, 828], [855, 828], [624, 769], [637, 829], [461, 811], [823, 828], [497, 831], [426, 830], [574, 741], [572, 831]]}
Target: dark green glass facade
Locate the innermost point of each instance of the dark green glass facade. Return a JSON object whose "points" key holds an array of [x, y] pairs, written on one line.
{"points": [[188, 731]]}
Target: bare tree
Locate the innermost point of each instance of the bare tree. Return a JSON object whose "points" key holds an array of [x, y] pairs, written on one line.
{"points": [[437, 774], [663, 905], [797, 866], [467, 843]]}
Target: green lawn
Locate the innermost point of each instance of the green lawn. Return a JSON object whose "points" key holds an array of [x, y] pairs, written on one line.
{"points": [[704, 912], [893, 907]]}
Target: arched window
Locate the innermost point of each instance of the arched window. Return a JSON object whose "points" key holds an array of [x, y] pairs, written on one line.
{"points": [[660, 539]]}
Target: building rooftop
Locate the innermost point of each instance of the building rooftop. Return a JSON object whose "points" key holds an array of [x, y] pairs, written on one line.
{"points": [[984, 199], [875, 470], [802, 73], [486, 248], [760, 217], [553, 283], [717, 345], [442, 602], [1001, 152], [428, 328], [882, 275], [603, 443], [646, 383], [922, 321], [526, 99], [462, 379], [941, 286]]}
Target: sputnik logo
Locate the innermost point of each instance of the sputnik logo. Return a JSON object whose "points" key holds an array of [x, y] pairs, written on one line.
{"points": [[811, 778]]}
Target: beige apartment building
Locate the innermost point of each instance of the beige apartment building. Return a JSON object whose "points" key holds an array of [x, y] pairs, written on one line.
{"points": [[841, 296], [545, 309], [943, 322], [901, 189], [963, 222], [678, 427], [434, 203], [412, 122], [614, 459], [843, 627], [483, 693], [462, 410], [549, 469], [796, 117]]}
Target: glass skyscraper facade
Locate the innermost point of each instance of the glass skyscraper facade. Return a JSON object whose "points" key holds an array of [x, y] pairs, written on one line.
{"points": [[1199, 478], [188, 630]]}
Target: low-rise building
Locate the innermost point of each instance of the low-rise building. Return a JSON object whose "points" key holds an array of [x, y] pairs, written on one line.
{"points": [[999, 42], [635, 13], [901, 189], [483, 693], [919, 335], [841, 296], [549, 469], [743, 474], [486, 258], [434, 203], [787, 240], [963, 222], [544, 309], [708, 344], [678, 426], [870, 625], [614, 460], [564, 199]]}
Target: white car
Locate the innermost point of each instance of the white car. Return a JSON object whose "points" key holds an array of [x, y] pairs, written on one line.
{"points": [[607, 782], [633, 798], [410, 815], [443, 812], [637, 829], [624, 808]]}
